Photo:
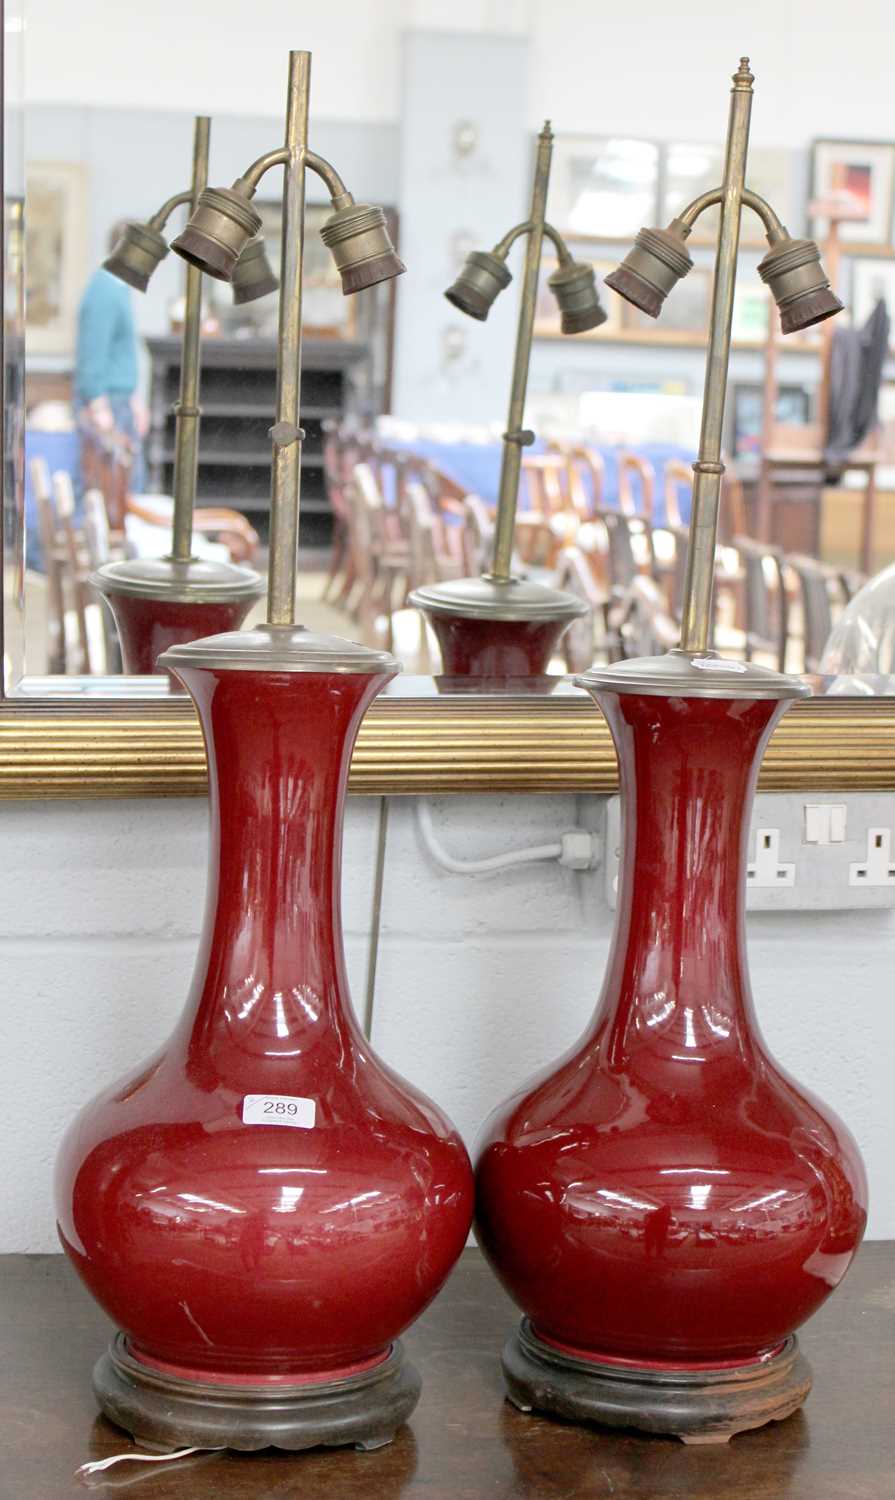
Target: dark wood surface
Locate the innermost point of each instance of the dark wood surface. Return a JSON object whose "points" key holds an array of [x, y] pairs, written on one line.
{"points": [[464, 1441]]}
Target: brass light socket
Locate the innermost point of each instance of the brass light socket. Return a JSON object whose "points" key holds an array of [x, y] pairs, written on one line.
{"points": [[658, 260], [253, 275], [483, 278], [800, 286], [218, 232], [575, 288], [358, 240], [136, 255]]}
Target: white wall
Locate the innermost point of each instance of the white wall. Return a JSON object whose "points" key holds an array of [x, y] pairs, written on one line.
{"points": [[480, 980], [653, 68]]}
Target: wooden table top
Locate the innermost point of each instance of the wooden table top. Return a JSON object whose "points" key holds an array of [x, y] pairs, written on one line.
{"points": [[464, 1440]]}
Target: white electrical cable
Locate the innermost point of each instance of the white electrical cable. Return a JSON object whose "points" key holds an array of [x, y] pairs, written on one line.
{"points": [[139, 1458], [576, 849]]}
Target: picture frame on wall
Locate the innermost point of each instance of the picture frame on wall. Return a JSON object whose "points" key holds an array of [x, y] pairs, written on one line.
{"points": [[685, 314], [604, 187], [547, 315], [56, 253], [792, 409], [690, 169], [751, 313], [859, 176], [872, 279]]}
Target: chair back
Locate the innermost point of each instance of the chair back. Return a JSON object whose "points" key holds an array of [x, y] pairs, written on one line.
{"points": [[766, 603], [817, 584], [52, 559], [636, 486]]}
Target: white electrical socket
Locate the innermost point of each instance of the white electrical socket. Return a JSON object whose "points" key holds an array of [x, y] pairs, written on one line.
{"points": [[766, 868], [824, 841], [878, 868]]}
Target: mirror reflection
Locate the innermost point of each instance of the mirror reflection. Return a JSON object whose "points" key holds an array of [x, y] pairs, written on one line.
{"points": [[405, 395]]}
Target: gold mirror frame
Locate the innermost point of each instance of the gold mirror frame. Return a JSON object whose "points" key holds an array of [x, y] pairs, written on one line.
{"points": [[428, 746], [112, 747]]}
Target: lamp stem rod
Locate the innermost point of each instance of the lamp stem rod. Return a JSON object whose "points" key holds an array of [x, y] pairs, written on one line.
{"points": [[286, 433], [696, 613], [187, 412], [514, 438]]}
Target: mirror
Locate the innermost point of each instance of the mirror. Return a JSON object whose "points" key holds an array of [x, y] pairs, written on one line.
{"points": [[404, 398]]}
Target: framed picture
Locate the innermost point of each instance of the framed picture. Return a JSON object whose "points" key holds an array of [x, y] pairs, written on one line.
{"points": [[872, 281], [547, 319], [751, 313], [56, 259], [859, 177], [603, 186], [793, 408], [685, 314], [691, 169]]}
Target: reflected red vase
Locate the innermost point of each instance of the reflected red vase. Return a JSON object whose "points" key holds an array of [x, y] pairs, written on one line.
{"points": [[666, 1194], [496, 648], [263, 1243], [147, 627]]}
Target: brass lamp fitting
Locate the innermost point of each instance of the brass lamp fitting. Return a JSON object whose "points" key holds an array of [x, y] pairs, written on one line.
{"points": [[253, 275], [658, 260], [218, 231], [358, 240], [799, 285], [136, 255], [483, 278], [575, 288]]}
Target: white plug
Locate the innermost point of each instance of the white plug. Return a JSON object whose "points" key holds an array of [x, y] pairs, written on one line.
{"points": [[580, 850]]}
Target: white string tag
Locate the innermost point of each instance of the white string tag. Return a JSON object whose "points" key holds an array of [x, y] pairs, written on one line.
{"points": [[140, 1458]]}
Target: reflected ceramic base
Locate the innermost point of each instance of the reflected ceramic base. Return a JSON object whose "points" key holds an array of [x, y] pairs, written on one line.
{"points": [[164, 1412], [698, 1406]]}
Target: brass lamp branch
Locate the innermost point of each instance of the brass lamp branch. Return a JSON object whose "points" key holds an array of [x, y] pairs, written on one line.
{"points": [[775, 230], [162, 215], [502, 248]]}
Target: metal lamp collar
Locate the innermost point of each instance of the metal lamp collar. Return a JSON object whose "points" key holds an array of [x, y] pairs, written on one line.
{"points": [[692, 674], [489, 598], [178, 581], [279, 648]]}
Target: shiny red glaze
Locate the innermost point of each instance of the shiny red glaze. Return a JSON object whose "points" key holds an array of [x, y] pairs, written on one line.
{"points": [[147, 627], [495, 648], [666, 1192], [264, 1249]]}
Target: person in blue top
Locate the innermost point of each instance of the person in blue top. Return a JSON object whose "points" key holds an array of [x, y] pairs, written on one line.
{"points": [[105, 375]]}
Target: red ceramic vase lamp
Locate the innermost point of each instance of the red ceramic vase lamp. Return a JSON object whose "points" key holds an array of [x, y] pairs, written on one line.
{"points": [[666, 1205], [161, 602], [501, 626], [264, 1206]]}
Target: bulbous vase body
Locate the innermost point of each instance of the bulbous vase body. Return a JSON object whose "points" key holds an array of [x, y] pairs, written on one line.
{"points": [[667, 1195], [292, 1245]]}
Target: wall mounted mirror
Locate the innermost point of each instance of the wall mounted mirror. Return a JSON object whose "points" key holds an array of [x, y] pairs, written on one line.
{"points": [[404, 404]]}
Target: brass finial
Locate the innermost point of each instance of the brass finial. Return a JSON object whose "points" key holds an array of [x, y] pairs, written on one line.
{"points": [[547, 131], [743, 79]]}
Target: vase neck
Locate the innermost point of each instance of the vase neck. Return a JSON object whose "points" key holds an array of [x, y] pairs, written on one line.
{"points": [[270, 976], [677, 978]]}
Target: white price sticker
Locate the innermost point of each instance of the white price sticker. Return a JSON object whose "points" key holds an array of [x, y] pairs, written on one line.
{"points": [[279, 1109]]}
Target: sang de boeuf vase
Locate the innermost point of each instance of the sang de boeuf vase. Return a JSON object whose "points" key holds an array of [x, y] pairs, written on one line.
{"points": [[263, 1206], [666, 1204]]}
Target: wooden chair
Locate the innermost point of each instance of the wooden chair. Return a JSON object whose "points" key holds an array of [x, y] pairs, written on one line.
{"points": [[819, 588], [636, 486], [53, 559], [97, 540], [75, 567], [550, 520], [766, 601]]}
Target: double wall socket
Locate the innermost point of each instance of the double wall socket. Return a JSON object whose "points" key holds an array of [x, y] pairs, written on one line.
{"points": [[807, 852]]}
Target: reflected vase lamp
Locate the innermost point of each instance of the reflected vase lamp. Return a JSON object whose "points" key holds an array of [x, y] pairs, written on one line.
{"points": [[500, 625], [162, 602]]}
